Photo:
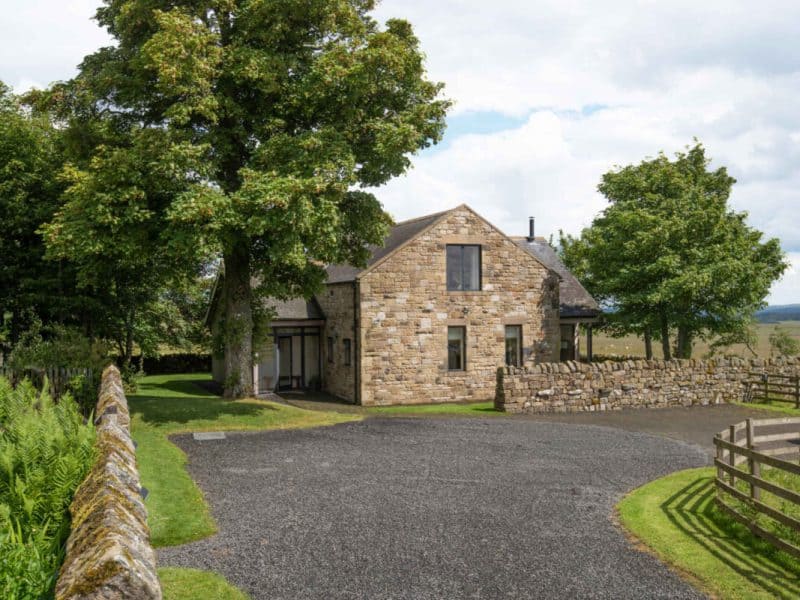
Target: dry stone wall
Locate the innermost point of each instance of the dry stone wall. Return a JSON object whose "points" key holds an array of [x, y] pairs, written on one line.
{"points": [[575, 387], [109, 554]]}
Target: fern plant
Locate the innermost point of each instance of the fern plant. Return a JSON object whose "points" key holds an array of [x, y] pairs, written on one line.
{"points": [[46, 450]]}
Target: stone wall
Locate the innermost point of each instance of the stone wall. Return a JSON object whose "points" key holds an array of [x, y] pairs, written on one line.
{"points": [[108, 551], [405, 311], [575, 387], [337, 304]]}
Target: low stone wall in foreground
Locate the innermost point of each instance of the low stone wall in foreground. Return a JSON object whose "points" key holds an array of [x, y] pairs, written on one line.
{"points": [[108, 551], [575, 387]]}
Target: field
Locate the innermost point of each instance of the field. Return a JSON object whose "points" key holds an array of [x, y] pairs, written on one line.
{"points": [[633, 346]]}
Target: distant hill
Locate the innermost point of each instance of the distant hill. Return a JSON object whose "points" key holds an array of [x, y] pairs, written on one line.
{"points": [[775, 314]]}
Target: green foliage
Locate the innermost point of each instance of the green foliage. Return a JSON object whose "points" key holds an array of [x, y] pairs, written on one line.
{"points": [[668, 255], [46, 451], [782, 343], [251, 129], [31, 156], [499, 388], [59, 346]]}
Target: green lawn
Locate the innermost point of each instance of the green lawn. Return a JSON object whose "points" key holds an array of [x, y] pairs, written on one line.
{"points": [[675, 518], [177, 511], [480, 409], [783, 408], [191, 584]]}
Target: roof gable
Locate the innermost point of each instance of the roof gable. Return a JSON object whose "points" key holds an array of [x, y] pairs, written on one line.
{"points": [[399, 235], [402, 234]]}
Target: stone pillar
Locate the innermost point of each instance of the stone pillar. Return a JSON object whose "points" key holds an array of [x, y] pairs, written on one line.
{"points": [[589, 342]]}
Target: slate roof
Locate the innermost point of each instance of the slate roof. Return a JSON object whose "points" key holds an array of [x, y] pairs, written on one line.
{"points": [[575, 300], [296, 309], [398, 235]]}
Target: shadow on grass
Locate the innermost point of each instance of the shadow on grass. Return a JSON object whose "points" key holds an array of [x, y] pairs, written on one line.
{"points": [[692, 510], [179, 401]]}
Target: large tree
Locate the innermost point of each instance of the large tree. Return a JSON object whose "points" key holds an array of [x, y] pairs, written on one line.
{"points": [[669, 256], [275, 117]]}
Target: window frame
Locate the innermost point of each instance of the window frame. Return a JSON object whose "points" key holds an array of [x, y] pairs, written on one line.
{"points": [[348, 352], [518, 339], [447, 269], [463, 366]]}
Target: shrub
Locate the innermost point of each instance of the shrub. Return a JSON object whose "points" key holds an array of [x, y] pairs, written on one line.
{"points": [[170, 364], [63, 348], [782, 343], [46, 450]]}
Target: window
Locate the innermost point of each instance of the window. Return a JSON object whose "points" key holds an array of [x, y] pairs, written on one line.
{"points": [[456, 350], [347, 354], [513, 345], [330, 349], [568, 342], [463, 268]]}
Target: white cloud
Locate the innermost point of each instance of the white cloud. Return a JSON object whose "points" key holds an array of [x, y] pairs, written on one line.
{"points": [[42, 41], [787, 290]]}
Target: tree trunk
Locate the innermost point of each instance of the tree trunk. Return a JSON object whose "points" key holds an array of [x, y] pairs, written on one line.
{"points": [[128, 355], [684, 342], [238, 322], [648, 344], [665, 349]]}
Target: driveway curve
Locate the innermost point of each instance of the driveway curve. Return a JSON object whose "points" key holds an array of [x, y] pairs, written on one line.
{"points": [[430, 508]]}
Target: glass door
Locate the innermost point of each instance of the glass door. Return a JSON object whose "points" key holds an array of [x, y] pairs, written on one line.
{"points": [[285, 363]]}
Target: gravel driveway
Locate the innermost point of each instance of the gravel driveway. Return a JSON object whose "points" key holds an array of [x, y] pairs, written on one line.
{"points": [[430, 508]]}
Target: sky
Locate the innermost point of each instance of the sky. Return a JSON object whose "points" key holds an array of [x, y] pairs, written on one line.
{"points": [[550, 94]]}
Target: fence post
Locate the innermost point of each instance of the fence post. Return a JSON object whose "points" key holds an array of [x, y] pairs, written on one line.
{"points": [[797, 392], [720, 457], [732, 454], [755, 466]]}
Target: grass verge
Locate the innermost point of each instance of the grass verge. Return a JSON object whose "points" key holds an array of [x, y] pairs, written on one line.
{"points": [[675, 518], [480, 409], [776, 407], [190, 584], [170, 404]]}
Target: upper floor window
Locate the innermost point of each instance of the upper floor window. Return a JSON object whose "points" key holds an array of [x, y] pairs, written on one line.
{"points": [[514, 345], [463, 267]]}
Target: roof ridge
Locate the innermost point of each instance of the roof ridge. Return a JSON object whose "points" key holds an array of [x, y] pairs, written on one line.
{"points": [[428, 216]]}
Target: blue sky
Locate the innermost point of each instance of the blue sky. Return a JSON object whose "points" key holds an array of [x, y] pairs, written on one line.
{"points": [[550, 94]]}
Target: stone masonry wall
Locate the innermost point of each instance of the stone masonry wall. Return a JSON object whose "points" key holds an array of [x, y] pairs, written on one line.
{"points": [[108, 551], [336, 301], [574, 387], [405, 310]]}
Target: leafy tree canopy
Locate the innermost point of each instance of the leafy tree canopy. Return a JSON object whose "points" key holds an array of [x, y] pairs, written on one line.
{"points": [[31, 155], [251, 127], [668, 254]]}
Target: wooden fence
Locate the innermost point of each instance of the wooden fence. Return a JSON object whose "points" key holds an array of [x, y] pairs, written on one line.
{"points": [[741, 451], [57, 378], [769, 387]]}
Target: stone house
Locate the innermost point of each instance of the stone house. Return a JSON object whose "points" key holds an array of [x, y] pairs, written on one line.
{"points": [[445, 301]]}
